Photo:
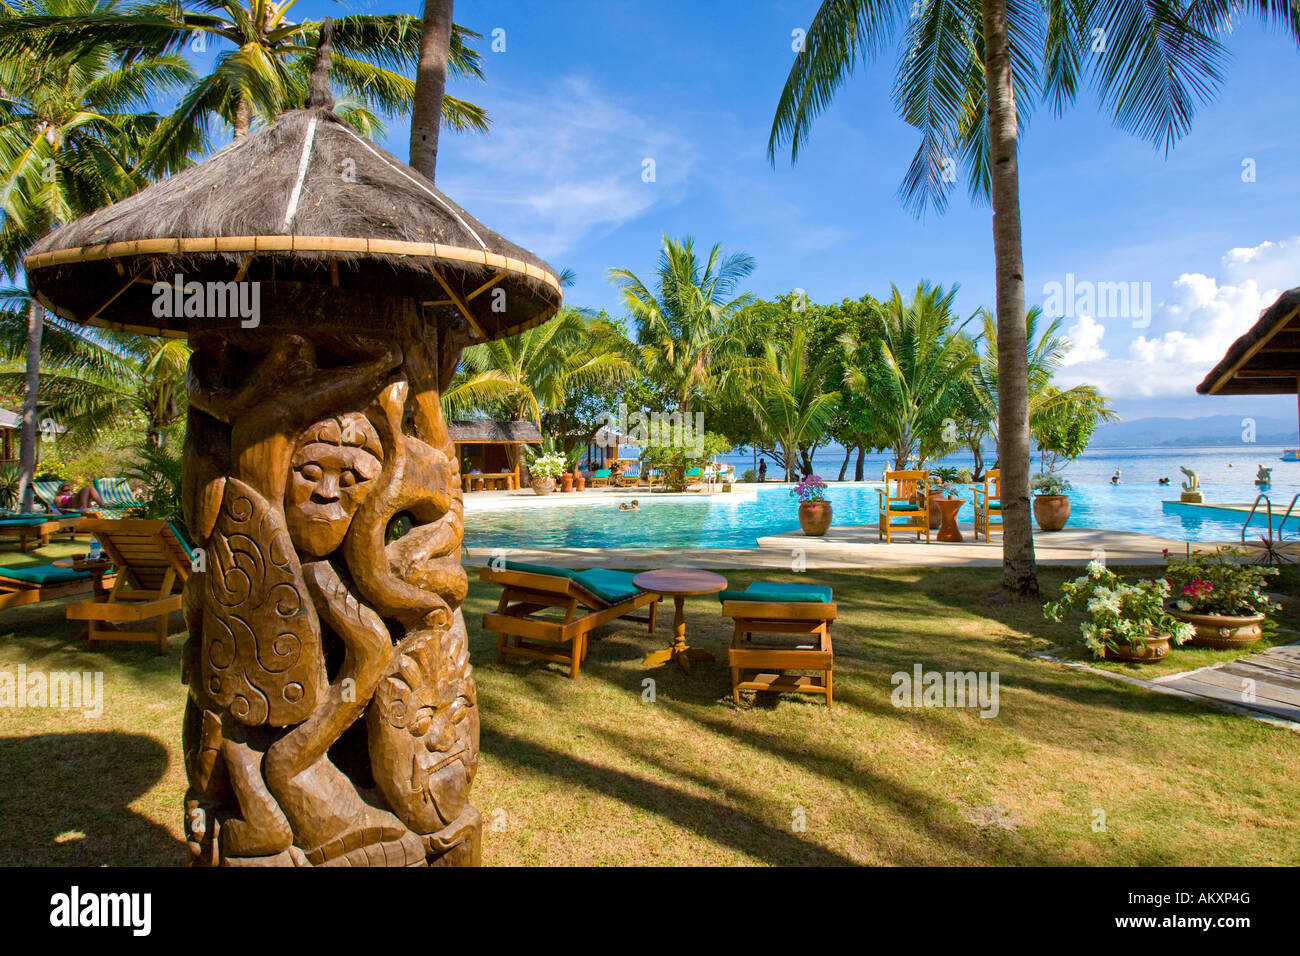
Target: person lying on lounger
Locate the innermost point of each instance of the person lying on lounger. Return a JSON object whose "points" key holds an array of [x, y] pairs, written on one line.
{"points": [[82, 500]]}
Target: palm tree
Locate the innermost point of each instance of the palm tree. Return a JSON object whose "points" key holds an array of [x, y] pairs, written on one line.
{"points": [[71, 131], [267, 71], [790, 397], [536, 375], [968, 71], [1046, 349], [908, 375], [684, 326], [94, 379], [430, 85]]}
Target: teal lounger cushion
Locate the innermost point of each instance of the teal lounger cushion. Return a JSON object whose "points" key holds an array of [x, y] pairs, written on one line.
{"points": [[43, 574], [603, 473], [612, 586], [904, 506], [23, 522], [527, 568], [774, 593]]}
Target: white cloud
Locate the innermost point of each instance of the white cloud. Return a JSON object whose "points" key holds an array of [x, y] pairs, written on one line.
{"points": [[1192, 327], [1085, 341], [564, 165]]}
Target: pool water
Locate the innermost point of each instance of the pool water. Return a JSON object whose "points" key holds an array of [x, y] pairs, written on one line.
{"points": [[723, 521]]}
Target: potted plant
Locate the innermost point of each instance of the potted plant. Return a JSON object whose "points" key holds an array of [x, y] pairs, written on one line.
{"points": [[1051, 505], [545, 464], [1220, 596], [814, 507], [1125, 622]]}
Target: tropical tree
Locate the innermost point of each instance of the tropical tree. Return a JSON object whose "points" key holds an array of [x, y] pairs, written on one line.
{"points": [[1045, 351], [436, 37], [92, 380], [542, 374], [72, 128], [969, 72], [794, 398], [908, 375], [267, 70], [684, 326]]}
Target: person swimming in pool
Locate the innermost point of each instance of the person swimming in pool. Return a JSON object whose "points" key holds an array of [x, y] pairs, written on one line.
{"points": [[1163, 481], [633, 506], [1114, 479]]}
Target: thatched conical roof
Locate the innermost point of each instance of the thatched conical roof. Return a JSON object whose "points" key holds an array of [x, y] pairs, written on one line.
{"points": [[305, 199]]}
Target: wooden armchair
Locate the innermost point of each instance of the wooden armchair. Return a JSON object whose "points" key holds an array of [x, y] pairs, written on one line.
{"points": [[988, 503], [906, 495]]}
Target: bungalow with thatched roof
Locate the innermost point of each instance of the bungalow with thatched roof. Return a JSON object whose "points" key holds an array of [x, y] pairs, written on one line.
{"points": [[489, 451], [1264, 361]]}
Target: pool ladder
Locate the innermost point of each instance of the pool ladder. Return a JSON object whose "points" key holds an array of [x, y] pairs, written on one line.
{"points": [[1268, 504]]}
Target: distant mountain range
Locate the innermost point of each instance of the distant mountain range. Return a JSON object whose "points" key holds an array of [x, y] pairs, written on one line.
{"points": [[1209, 430]]}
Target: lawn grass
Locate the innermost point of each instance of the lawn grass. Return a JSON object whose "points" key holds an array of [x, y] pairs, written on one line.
{"points": [[589, 772]]}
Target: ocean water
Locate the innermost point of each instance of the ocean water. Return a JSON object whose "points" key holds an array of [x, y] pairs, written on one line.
{"points": [[1227, 475]]}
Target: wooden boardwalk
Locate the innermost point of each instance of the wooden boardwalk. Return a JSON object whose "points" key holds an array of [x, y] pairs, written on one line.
{"points": [[1266, 683]]}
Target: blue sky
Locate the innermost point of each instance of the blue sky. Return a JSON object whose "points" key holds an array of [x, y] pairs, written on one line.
{"points": [[585, 92]]}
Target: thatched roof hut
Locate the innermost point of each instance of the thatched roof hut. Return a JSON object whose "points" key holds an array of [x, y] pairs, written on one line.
{"points": [[1264, 361], [305, 200], [487, 431]]}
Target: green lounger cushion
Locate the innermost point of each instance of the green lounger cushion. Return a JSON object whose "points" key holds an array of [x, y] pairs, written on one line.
{"points": [[603, 473], [904, 506], [44, 574], [550, 572], [612, 586], [23, 522], [774, 593], [692, 472]]}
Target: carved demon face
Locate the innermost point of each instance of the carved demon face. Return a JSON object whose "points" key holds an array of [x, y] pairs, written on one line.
{"points": [[333, 470], [424, 729]]}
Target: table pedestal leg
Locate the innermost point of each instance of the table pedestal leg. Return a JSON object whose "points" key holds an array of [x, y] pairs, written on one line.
{"points": [[680, 652]]}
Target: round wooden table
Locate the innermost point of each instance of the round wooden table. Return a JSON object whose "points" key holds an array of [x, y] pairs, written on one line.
{"points": [[97, 569], [679, 584], [948, 510]]}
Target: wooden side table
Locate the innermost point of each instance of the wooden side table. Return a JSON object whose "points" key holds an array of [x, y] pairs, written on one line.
{"points": [[679, 584], [948, 510]]}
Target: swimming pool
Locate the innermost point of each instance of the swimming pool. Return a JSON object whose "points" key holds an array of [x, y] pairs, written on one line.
{"points": [[723, 521]]}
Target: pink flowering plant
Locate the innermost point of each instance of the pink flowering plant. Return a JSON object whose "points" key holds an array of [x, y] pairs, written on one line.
{"points": [[809, 489], [1219, 582], [1117, 613]]}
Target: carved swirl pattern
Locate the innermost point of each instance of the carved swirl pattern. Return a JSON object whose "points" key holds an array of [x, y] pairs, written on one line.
{"points": [[261, 638]]}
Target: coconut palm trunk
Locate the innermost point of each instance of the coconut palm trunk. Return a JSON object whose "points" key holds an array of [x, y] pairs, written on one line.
{"points": [[430, 82], [1019, 574], [28, 436]]}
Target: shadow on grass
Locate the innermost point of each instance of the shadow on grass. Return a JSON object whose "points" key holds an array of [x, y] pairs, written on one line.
{"points": [[711, 819], [65, 801]]}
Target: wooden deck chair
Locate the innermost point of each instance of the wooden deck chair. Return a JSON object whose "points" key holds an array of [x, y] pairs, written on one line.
{"points": [[631, 475], [653, 475], [988, 503], [899, 499], [781, 628], [585, 600], [26, 527], [42, 582], [152, 562], [47, 493], [119, 501], [600, 478]]}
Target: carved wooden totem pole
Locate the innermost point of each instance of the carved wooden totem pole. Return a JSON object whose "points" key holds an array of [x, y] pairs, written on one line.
{"points": [[327, 290]]}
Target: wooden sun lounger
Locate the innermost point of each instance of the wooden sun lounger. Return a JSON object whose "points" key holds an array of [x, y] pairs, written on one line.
{"points": [[32, 585], [28, 527], [152, 563], [521, 633], [762, 665]]}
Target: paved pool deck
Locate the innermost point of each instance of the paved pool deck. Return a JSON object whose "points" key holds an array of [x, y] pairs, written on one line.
{"points": [[856, 547]]}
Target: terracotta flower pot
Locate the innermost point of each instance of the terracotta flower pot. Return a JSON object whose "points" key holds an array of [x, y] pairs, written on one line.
{"points": [[814, 517], [543, 486], [1051, 511], [581, 482], [1222, 630], [1156, 649], [566, 482], [478, 484]]}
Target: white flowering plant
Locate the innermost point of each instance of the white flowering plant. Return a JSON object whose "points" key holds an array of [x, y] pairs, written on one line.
{"points": [[1116, 612]]}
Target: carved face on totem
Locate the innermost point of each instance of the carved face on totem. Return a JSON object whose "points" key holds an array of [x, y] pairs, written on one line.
{"points": [[333, 470], [425, 728]]}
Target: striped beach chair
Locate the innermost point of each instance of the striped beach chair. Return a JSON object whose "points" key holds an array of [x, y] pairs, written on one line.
{"points": [[118, 498]]}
